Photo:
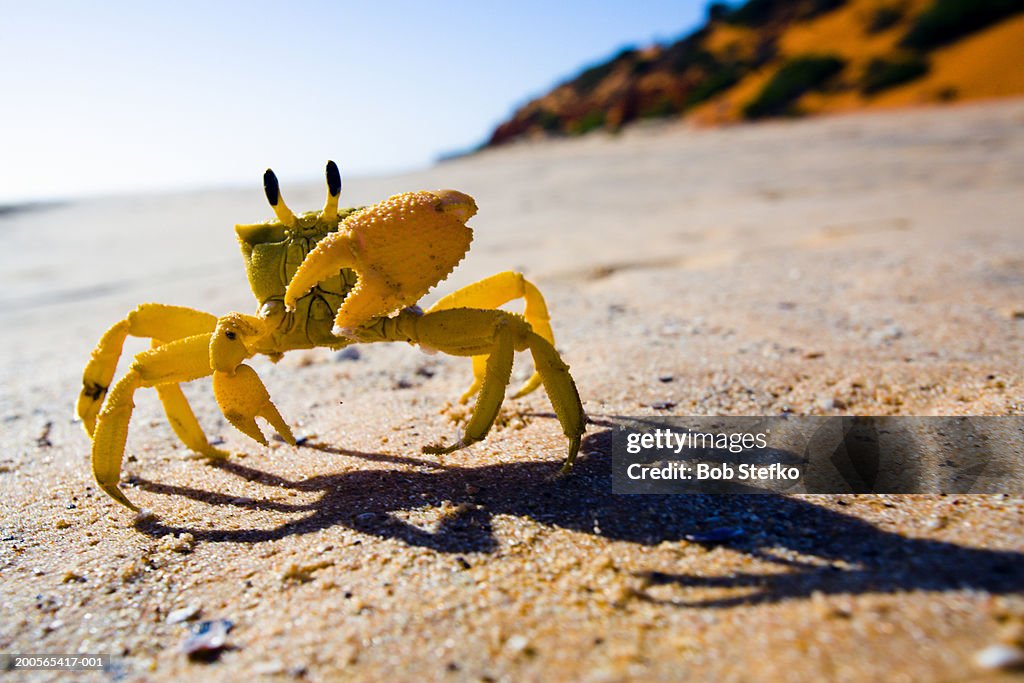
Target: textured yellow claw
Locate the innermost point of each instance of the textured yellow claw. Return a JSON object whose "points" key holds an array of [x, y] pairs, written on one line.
{"points": [[242, 398], [399, 249]]}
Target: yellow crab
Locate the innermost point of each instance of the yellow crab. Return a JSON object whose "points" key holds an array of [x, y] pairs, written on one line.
{"points": [[329, 278]]}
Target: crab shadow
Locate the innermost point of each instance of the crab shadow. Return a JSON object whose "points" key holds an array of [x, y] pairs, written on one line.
{"points": [[838, 553]]}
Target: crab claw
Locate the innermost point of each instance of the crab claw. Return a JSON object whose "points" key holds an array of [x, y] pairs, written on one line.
{"points": [[399, 249], [242, 398]]}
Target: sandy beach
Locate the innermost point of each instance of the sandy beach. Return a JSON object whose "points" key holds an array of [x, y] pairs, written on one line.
{"points": [[868, 264]]}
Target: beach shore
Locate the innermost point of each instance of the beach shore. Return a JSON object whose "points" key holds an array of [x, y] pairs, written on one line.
{"points": [[870, 264]]}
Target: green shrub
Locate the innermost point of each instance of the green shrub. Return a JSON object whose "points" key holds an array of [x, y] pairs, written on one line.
{"points": [[755, 13], [812, 8], [585, 83], [548, 121], [591, 77], [660, 108], [718, 11], [885, 18], [588, 122], [641, 67], [726, 76], [792, 80], [686, 54], [949, 20], [883, 74]]}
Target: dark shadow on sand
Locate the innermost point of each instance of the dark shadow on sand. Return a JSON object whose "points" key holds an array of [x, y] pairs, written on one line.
{"points": [[845, 554]]}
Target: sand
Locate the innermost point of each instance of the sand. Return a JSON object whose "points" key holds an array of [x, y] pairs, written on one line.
{"points": [[869, 264]]}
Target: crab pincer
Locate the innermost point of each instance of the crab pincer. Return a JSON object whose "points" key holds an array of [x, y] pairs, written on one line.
{"points": [[242, 398], [398, 249]]}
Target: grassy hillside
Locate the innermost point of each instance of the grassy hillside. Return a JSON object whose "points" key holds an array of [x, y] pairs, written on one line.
{"points": [[766, 58]]}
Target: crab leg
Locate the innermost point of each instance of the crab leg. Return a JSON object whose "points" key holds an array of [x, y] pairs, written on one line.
{"points": [[241, 395], [184, 423], [561, 391], [496, 334], [239, 391], [162, 324], [498, 370], [493, 292], [99, 372], [181, 360]]}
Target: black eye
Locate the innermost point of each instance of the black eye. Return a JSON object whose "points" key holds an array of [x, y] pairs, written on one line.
{"points": [[230, 335]]}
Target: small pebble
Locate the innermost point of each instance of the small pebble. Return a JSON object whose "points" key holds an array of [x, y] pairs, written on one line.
{"points": [[888, 333], [43, 440], [72, 577], [268, 668], [517, 644], [144, 516], [207, 637], [348, 353], [183, 614], [303, 573], [663, 405], [1002, 657], [183, 544]]}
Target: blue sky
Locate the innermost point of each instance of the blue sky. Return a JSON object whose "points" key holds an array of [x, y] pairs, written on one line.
{"points": [[123, 96]]}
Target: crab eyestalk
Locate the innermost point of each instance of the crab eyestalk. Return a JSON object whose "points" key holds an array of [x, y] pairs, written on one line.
{"points": [[330, 212], [273, 191]]}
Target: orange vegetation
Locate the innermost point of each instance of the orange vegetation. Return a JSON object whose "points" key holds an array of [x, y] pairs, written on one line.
{"points": [[713, 75]]}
